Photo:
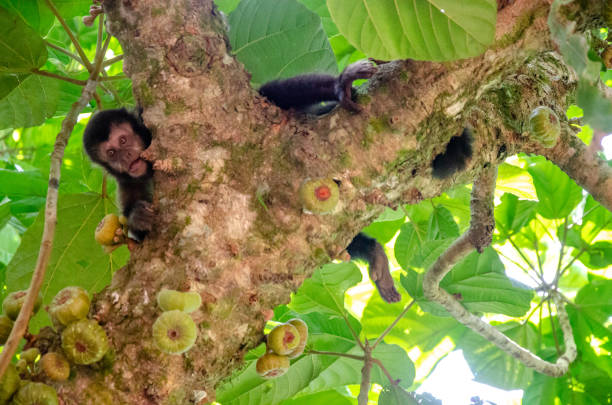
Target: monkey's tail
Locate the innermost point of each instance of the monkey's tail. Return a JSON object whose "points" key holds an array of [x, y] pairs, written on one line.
{"points": [[368, 249]]}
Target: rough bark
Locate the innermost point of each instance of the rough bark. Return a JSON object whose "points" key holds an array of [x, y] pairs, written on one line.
{"points": [[229, 166]]}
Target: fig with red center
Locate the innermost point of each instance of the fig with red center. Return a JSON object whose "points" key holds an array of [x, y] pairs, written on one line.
{"points": [[319, 196]]}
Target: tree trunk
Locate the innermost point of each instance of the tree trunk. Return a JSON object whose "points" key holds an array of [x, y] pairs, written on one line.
{"points": [[229, 165]]}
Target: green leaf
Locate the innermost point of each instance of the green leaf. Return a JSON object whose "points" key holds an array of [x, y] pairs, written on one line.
{"points": [[324, 291], [545, 390], [597, 108], [386, 29], [29, 103], [345, 371], [597, 256], [479, 283], [492, 366], [515, 180], [326, 397], [512, 215], [21, 48], [279, 39], [34, 13], [14, 184], [394, 395], [386, 225], [558, 195], [411, 250], [416, 329], [76, 259]]}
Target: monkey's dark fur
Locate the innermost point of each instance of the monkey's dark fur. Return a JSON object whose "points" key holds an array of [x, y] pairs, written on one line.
{"points": [[135, 193], [301, 93], [458, 151]]}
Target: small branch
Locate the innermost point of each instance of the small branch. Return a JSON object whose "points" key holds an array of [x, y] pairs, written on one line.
{"points": [[460, 248], [56, 76], [355, 335], [64, 51], [384, 370], [364, 388], [111, 78], [588, 171], [104, 181], [348, 356], [400, 316], [46, 245], [110, 61], [75, 42]]}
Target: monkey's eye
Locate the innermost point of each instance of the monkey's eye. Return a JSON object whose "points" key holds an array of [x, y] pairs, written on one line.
{"points": [[122, 140], [110, 153]]}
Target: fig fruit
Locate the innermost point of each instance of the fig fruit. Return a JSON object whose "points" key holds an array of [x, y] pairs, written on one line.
{"points": [[272, 365], [84, 342], [169, 300], [174, 332], [69, 305], [283, 339]]}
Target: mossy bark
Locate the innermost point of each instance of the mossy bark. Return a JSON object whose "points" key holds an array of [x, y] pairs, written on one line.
{"points": [[229, 166]]}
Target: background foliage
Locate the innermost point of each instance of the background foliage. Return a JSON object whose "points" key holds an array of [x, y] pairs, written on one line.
{"points": [[548, 230]]}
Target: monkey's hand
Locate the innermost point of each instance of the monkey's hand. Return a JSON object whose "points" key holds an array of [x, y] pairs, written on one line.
{"points": [[363, 69], [141, 218]]}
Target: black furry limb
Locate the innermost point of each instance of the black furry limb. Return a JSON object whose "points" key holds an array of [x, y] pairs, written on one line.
{"points": [[454, 159]]}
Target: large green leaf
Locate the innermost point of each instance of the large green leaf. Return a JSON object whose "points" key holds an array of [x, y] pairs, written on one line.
{"points": [[14, 184], [21, 48], [76, 258], [436, 30], [276, 39], [492, 366], [29, 103], [512, 215], [35, 13], [416, 328], [326, 397], [479, 283], [515, 180], [324, 291], [558, 195]]}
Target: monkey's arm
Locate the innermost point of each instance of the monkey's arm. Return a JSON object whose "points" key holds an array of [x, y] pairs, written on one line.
{"points": [[368, 249], [303, 91], [136, 196]]}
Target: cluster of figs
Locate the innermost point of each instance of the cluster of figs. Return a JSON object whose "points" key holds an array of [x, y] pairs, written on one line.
{"points": [[83, 342], [111, 232], [286, 341], [174, 331]]}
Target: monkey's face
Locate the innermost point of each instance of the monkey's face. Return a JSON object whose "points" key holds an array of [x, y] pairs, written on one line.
{"points": [[122, 151]]}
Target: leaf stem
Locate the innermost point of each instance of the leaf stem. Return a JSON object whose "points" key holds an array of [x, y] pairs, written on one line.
{"points": [[64, 51], [59, 77], [397, 319], [75, 42]]}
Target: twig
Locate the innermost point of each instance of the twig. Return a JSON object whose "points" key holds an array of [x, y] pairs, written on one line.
{"points": [[56, 76], [481, 207], [111, 78], [400, 316], [384, 370], [364, 388], [112, 60], [64, 51], [75, 42], [21, 324], [348, 356]]}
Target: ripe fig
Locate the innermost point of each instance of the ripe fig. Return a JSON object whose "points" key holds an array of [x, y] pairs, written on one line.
{"points": [[319, 195], [272, 365], [6, 325], [169, 300], [35, 393], [302, 329], [14, 301], [174, 332], [9, 383], [84, 342], [55, 366], [106, 231], [69, 305], [544, 126], [30, 355], [283, 339]]}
